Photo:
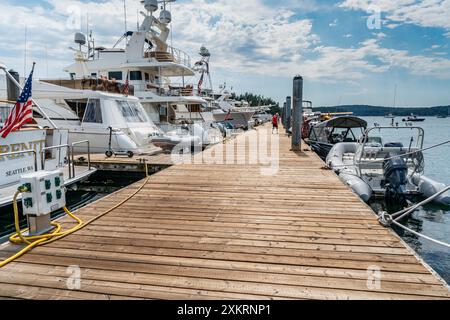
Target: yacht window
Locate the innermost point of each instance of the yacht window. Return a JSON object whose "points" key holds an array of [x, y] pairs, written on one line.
{"points": [[93, 112], [131, 111], [94, 75], [36, 115], [163, 111], [195, 108], [4, 113], [135, 75], [115, 75], [78, 106]]}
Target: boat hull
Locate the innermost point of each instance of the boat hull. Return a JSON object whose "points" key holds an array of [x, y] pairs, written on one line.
{"points": [[237, 119], [322, 149]]}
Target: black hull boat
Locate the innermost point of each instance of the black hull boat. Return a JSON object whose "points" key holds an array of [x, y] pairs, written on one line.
{"points": [[413, 118], [325, 135]]}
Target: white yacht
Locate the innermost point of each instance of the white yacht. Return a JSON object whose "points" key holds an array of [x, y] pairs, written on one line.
{"points": [[149, 65], [112, 123], [222, 105], [33, 148]]}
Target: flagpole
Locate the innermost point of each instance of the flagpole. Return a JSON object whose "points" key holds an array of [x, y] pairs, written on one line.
{"points": [[35, 103]]}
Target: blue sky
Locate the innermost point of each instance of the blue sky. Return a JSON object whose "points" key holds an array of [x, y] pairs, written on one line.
{"points": [[259, 45]]}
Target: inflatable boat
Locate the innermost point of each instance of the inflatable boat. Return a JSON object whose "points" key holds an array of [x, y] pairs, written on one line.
{"points": [[323, 136], [373, 168]]}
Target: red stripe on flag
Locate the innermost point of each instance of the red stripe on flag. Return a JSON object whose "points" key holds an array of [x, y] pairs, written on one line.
{"points": [[20, 115]]}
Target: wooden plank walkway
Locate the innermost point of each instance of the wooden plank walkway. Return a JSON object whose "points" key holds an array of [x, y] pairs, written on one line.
{"points": [[225, 231]]}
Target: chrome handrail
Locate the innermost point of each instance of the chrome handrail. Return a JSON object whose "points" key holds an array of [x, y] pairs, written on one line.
{"points": [[23, 152], [57, 148], [421, 134], [88, 154]]}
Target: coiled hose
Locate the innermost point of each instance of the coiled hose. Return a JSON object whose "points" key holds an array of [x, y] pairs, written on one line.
{"points": [[41, 240]]}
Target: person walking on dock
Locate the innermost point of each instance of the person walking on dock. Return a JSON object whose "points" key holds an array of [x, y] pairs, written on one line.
{"points": [[275, 121]]}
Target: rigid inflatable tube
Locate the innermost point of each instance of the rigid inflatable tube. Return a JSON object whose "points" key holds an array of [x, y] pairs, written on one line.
{"points": [[334, 161], [428, 187]]}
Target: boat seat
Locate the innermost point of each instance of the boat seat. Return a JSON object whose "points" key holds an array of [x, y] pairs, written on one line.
{"points": [[372, 154], [394, 144]]}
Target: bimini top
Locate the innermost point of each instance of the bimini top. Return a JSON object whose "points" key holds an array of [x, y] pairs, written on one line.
{"points": [[344, 122]]}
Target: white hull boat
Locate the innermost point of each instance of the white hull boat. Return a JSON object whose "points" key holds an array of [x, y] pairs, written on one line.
{"points": [[110, 122], [392, 170], [32, 150]]}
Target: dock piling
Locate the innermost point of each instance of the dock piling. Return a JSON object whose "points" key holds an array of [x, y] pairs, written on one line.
{"points": [[288, 113], [297, 114]]}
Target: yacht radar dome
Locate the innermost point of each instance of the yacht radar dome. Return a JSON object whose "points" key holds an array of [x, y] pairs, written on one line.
{"points": [[80, 38], [150, 5], [165, 17], [204, 52]]}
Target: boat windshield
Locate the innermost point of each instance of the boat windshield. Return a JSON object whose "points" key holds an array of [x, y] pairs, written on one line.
{"points": [[408, 137], [131, 111], [336, 135]]}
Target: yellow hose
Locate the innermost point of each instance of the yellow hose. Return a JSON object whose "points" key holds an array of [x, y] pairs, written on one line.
{"points": [[44, 239], [34, 241]]}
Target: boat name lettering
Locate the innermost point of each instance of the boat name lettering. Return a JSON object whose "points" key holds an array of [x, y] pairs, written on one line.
{"points": [[15, 147], [19, 171]]}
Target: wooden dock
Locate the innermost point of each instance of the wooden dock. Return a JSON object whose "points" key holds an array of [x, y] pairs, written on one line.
{"points": [[227, 231]]}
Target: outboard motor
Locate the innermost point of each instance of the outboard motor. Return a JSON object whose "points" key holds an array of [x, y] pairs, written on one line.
{"points": [[395, 176]]}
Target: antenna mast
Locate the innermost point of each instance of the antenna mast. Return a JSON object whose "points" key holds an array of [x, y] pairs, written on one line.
{"points": [[25, 51], [203, 67], [125, 16]]}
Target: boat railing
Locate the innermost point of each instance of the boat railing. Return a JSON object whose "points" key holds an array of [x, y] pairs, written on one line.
{"points": [[77, 143], [34, 152], [366, 144], [172, 90], [180, 57], [171, 55], [59, 148]]}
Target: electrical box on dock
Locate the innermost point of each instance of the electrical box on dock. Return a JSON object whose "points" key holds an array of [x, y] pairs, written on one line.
{"points": [[45, 193]]}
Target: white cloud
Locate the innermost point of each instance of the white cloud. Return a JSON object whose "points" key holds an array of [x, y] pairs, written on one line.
{"points": [[253, 39], [428, 13]]}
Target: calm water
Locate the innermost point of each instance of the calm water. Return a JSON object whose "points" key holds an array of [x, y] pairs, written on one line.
{"points": [[430, 220]]}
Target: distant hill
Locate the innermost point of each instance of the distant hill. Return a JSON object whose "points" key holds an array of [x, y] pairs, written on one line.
{"points": [[375, 111]]}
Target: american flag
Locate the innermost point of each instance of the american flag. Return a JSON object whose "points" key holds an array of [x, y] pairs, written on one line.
{"points": [[22, 113], [228, 117], [126, 88], [200, 83]]}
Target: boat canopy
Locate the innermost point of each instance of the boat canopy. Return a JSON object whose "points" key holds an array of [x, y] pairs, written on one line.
{"points": [[339, 129], [344, 122]]}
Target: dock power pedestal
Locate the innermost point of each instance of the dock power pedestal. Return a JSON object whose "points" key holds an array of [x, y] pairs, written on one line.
{"points": [[45, 194]]}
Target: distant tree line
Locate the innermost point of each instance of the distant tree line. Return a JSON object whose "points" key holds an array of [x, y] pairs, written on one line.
{"points": [[375, 111], [258, 100]]}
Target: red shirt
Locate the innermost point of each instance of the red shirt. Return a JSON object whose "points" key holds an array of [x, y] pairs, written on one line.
{"points": [[275, 119]]}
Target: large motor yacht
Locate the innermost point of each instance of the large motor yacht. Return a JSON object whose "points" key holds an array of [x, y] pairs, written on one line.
{"points": [[112, 123], [157, 72]]}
